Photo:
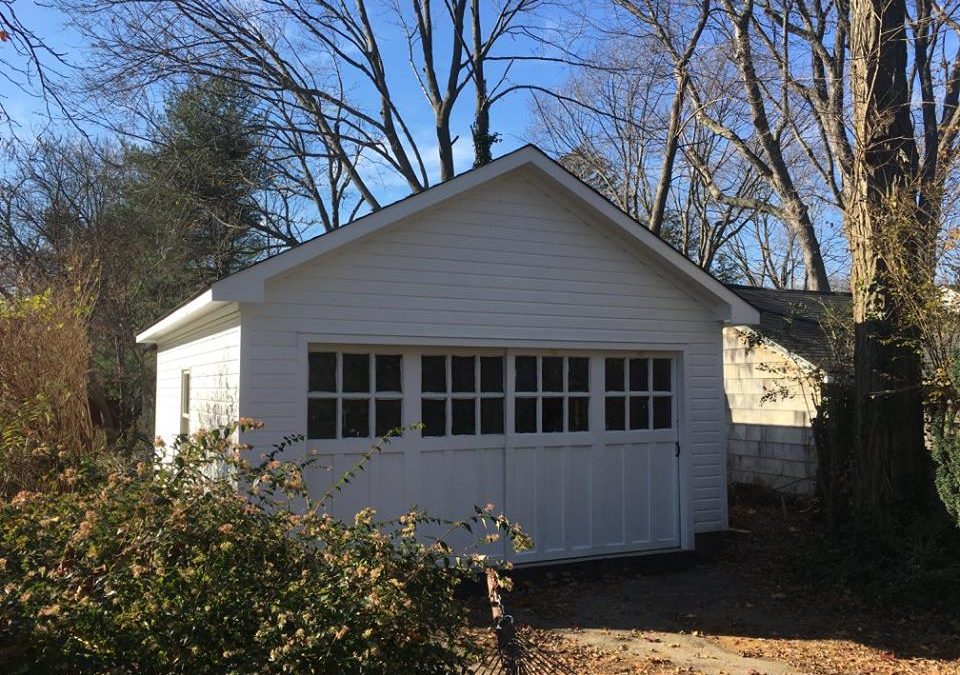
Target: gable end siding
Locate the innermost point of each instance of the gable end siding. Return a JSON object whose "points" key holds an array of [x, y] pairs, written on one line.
{"points": [[503, 264]]}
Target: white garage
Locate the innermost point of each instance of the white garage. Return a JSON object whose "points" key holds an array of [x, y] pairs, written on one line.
{"points": [[557, 359]]}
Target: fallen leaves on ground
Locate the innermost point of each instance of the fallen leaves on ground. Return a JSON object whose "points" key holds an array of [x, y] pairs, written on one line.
{"points": [[738, 610]]}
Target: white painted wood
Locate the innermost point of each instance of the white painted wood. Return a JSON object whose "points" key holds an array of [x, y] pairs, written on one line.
{"points": [[249, 285], [396, 289], [577, 494], [211, 352], [508, 266]]}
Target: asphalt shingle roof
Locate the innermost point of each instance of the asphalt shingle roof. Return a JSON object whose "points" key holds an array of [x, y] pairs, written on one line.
{"points": [[793, 319]]}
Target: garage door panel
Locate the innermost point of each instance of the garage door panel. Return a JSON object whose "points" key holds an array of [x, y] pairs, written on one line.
{"points": [[386, 491], [607, 477], [550, 491], [376, 486], [454, 481], [577, 497], [637, 511], [664, 494], [587, 500]]}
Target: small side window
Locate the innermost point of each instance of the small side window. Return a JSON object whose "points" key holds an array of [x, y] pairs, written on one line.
{"points": [[185, 402]]}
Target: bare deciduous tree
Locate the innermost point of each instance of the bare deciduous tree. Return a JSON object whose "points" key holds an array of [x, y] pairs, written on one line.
{"points": [[28, 63], [612, 125], [327, 78]]}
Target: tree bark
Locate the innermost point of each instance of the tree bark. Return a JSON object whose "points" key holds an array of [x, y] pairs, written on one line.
{"points": [[781, 179], [681, 78], [483, 140], [890, 457]]}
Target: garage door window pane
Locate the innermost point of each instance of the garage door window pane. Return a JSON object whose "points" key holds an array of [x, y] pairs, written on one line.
{"points": [[491, 416], [578, 413], [525, 410], [464, 420], [639, 375], [639, 412], [614, 375], [356, 418], [661, 375], [526, 379], [433, 373], [323, 371], [552, 373], [552, 415], [578, 374], [662, 412], [491, 373], [551, 383], [615, 412], [322, 418], [473, 380], [463, 373], [388, 372], [387, 415], [433, 412], [356, 372], [353, 395], [647, 404]]}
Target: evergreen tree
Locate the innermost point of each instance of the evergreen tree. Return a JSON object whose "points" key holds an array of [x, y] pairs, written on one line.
{"points": [[200, 178]]}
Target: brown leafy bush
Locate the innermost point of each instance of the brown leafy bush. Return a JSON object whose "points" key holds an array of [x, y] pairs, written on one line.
{"points": [[45, 423], [173, 570]]}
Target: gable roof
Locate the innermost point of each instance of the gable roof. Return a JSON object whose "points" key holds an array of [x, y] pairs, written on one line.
{"points": [[247, 285], [794, 319]]}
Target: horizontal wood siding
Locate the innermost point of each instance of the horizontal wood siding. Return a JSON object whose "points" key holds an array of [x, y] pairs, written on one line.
{"points": [[771, 401], [505, 264], [210, 349]]}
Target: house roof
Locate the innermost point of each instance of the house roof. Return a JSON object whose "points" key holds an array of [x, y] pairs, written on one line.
{"points": [[794, 319], [247, 285]]}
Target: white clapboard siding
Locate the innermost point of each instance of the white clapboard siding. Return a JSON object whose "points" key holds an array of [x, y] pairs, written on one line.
{"points": [[505, 264], [210, 349], [771, 398]]}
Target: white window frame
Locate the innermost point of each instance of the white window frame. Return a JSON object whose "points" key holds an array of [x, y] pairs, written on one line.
{"points": [[540, 394], [185, 395], [370, 396], [411, 384], [449, 395], [650, 392]]}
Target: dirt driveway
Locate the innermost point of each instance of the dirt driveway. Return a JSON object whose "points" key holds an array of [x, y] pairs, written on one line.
{"points": [[734, 607]]}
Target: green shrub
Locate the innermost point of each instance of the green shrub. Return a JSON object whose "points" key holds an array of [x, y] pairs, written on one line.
{"points": [[177, 570]]}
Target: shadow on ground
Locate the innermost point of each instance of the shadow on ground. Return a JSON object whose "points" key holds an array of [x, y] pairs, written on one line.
{"points": [[746, 583]]}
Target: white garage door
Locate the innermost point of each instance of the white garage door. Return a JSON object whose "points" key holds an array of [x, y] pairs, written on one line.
{"points": [[578, 447]]}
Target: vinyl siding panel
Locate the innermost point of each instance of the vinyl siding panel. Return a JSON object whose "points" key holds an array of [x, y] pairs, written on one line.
{"points": [[210, 349], [506, 264]]}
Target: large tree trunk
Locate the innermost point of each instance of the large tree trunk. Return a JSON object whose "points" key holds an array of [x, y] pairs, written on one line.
{"points": [[483, 140], [890, 457]]}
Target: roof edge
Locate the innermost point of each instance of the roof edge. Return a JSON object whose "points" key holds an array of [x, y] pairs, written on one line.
{"points": [[248, 285], [180, 317], [767, 341]]}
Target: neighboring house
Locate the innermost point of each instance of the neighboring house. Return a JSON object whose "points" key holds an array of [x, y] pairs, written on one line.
{"points": [[772, 373], [565, 362]]}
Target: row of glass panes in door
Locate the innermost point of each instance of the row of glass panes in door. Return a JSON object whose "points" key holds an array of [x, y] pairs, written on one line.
{"points": [[360, 395]]}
